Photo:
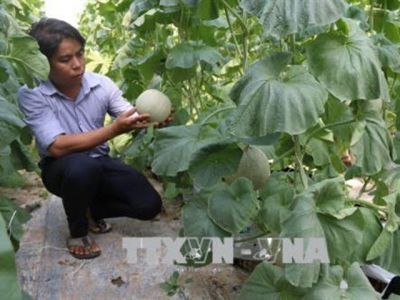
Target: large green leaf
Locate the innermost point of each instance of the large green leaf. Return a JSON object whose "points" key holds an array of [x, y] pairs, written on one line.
{"points": [[186, 56], [174, 147], [25, 56], [9, 288], [277, 197], [329, 286], [8, 26], [10, 122], [268, 282], [285, 17], [211, 163], [196, 221], [273, 97], [351, 54], [371, 145], [232, 207], [313, 217]]}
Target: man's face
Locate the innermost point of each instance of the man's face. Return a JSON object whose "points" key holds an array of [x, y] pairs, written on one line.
{"points": [[67, 65]]}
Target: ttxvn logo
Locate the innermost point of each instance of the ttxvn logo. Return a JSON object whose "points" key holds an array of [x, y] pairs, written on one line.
{"points": [[168, 250]]}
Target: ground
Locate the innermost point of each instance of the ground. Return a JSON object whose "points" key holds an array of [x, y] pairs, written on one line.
{"points": [[31, 195]]}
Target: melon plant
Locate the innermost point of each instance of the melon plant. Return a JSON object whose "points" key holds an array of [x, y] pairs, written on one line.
{"points": [[253, 165], [155, 103]]}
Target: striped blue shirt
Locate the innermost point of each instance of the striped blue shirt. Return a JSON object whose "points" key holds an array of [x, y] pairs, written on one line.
{"points": [[49, 113]]}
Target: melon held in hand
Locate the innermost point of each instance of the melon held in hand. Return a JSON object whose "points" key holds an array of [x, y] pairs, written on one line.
{"points": [[154, 103]]}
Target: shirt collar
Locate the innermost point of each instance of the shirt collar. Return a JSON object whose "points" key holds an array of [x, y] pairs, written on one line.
{"points": [[88, 82]]}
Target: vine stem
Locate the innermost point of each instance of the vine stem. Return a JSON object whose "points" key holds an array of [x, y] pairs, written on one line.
{"points": [[327, 127], [367, 204], [231, 29], [245, 31], [299, 161], [384, 15], [191, 98], [217, 112], [282, 157], [364, 187], [371, 14]]}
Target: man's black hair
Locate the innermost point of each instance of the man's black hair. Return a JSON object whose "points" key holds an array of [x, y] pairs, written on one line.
{"points": [[50, 32]]}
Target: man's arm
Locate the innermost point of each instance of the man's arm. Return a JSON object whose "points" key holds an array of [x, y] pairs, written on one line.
{"points": [[77, 142]]}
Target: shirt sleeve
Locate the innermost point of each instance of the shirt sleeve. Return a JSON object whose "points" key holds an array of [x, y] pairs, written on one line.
{"points": [[117, 103], [39, 117]]}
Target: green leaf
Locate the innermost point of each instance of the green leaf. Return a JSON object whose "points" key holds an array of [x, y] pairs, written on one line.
{"points": [[29, 62], [139, 6], [9, 288], [208, 10], [344, 237], [174, 147], [232, 207], [21, 157], [391, 178], [312, 217], [387, 52], [328, 287], [359, 286], [186, 56], [8, 26], [371, 231], [358, 72], [268, 282], [281, 18], [273, 97], [393, 219], [10, 122], [196, 221], [319, 144], [389, 259], [211, 163], [15, 217], [277, 195], [381, 244], [371, 145], [339, 112], [3, 75]]}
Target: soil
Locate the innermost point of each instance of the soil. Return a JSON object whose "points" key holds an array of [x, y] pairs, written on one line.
{"points": [[31, 195]]}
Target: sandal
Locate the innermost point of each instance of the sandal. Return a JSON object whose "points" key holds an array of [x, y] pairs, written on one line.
{"points": [[84, 242], [99, 227]]}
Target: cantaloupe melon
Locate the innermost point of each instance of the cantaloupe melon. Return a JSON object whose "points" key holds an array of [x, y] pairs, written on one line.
{"points": [[155, 103], [254, 165]]}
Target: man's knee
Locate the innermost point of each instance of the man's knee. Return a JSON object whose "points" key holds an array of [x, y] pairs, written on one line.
{"points": [[149, 209]]}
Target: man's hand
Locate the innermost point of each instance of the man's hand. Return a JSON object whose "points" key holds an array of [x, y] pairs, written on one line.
{"points": [[168, 121], [130, 120]]}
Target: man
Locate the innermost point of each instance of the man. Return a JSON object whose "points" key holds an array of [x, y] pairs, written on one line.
{"points": [[66, 115]]}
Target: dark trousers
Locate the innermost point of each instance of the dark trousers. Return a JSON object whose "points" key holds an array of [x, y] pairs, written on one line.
{"points": [[105, 185]]}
